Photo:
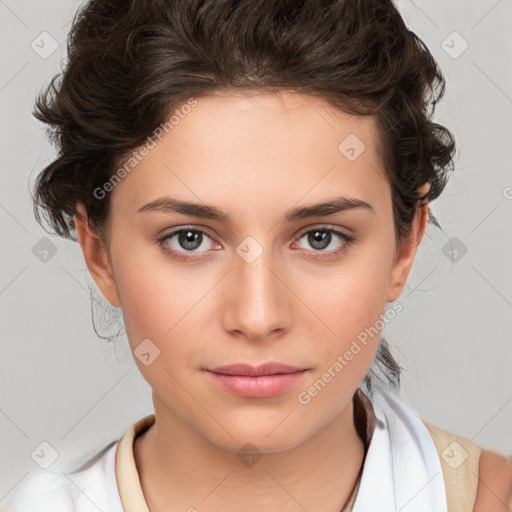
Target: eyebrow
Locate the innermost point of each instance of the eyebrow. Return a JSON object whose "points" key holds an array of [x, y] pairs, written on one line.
{"points": [[169, 204]]}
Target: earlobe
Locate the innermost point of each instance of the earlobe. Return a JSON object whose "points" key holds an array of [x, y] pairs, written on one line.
{"points": [[406, 252], [400, 271], [96, 257]]}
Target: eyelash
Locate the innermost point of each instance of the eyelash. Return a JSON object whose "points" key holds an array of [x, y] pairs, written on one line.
{"points": [[347, 241]]}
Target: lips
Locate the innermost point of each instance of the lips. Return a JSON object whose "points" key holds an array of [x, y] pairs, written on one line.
{"points": [[263, 381], [255, 371]]}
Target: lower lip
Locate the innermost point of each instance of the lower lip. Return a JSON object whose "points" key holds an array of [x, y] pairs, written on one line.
{"points": [[262, 386]]}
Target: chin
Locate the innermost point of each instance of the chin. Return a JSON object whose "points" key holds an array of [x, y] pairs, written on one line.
{"points": [[261, 433], [257, 444]]}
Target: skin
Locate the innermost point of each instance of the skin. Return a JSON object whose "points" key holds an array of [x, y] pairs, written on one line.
{"points": [[253, 157], [494, 489]]}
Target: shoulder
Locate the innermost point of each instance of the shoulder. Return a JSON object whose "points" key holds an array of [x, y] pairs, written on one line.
{"points": [[86, 489], [40, 492], [494, 490], [476, 479]]}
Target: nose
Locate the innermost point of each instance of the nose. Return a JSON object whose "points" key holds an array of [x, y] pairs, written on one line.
{"points": [[257, 302]]}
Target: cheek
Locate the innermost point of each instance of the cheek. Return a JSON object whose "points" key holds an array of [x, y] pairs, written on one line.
{"points": [[155, 308], [149, 306], [148, 295], [164, 303], [348, 307]]}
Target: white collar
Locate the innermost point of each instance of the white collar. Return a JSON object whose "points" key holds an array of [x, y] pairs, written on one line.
{"points": [[402, 471]]}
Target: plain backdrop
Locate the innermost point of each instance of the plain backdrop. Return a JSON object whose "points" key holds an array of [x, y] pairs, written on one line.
{"points": [[62, 385]]}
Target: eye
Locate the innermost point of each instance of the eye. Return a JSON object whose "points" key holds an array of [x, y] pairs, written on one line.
{"points": [[323, 237], [189, 240], [184, 240]]}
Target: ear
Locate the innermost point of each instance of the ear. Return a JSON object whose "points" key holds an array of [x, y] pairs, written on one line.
{"points": [[96, 256], [407, 250]]}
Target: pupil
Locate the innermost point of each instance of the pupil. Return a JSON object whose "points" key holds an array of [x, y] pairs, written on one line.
{"points": [[188, 239], [319, 238]]}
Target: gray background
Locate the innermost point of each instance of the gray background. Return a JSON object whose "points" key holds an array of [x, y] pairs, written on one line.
{"points": [[64, 386]]}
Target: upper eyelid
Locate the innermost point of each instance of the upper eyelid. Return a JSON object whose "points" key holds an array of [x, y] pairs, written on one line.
{"points": [[185, 228], [323, 227]]}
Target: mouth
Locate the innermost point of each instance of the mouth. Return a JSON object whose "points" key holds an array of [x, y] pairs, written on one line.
{"points": [[263, 381], [255, 371]]}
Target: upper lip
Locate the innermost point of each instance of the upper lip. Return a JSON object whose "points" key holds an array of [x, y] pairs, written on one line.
{"points": [[254, 371]]}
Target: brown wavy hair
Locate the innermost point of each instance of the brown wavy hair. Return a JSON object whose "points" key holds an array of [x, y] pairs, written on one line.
{"points": [[130, 62]]}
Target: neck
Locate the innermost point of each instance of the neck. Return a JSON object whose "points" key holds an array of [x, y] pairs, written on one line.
{"points": [[179, 469]]}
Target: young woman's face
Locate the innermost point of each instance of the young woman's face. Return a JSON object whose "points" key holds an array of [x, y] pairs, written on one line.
{"points": [[255, 283]]}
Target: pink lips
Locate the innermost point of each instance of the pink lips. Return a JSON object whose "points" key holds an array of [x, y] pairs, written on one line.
{"points": [[263, 381]]}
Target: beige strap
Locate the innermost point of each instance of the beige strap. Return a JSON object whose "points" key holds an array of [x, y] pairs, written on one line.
{"points": [[459, 460], [128, 482]]}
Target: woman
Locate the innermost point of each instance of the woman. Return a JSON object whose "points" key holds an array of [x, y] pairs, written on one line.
{"points": [[249, 182]]}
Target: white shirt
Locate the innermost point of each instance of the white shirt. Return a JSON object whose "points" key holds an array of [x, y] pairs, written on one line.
{"points": [[402, 471]]}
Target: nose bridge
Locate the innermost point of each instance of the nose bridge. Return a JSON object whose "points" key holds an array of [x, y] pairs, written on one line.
{"points": [[258, 297]]}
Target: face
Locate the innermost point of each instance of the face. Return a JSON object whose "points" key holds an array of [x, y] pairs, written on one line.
{"points": [[262, 280]]}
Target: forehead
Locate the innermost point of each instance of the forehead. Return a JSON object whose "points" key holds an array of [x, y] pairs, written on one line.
{"points": [[238, 149]]}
